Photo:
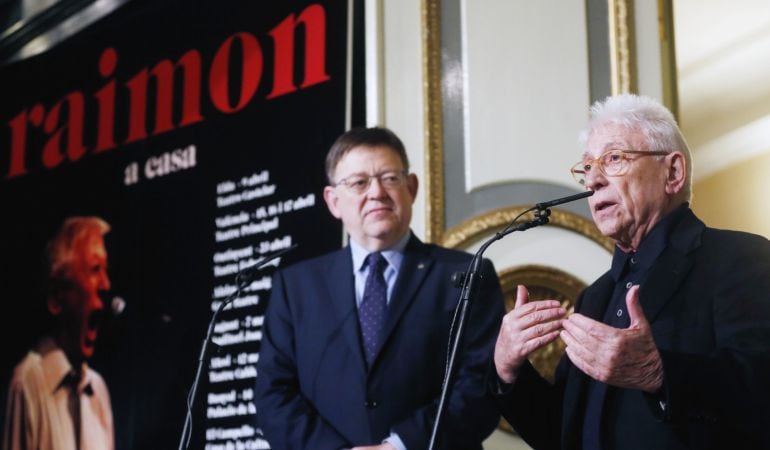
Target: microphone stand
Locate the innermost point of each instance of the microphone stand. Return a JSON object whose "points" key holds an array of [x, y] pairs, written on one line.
{"points": [[469, 291], [242, 280]]}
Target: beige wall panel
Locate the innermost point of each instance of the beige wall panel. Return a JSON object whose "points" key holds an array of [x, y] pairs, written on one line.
{"points": [[717, 202], [402, 92], [526, 89]]}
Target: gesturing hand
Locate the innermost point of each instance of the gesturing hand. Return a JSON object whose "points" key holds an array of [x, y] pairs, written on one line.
{"points": [[623, 357], [525, 329]]}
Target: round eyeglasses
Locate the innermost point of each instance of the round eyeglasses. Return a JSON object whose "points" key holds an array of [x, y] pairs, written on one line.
{"points": [[612, 163]]}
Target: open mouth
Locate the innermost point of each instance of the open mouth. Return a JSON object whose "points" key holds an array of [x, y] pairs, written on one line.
{"points": [[603, 205], [95, 319]]}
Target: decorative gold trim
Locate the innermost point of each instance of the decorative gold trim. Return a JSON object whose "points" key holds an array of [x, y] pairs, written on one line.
{"points": [[622, 46], [434, 145], [561, 282], [465, 233], [668, 56]]}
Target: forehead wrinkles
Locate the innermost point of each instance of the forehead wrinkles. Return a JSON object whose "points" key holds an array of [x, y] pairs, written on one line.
{"points": [[611, 136], [367, 161]]}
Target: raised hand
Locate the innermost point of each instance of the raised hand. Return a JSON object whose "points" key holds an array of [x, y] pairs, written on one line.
{"points": [[526, 328], [622, 357]]}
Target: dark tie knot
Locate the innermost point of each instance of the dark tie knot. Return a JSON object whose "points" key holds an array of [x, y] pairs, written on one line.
{"points": [[73, 379], [376, 263]]}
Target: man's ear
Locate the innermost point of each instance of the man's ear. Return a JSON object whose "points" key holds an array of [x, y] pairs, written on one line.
{"points": [[331, 198], [54, 305], [412, 184], [677, 173]]}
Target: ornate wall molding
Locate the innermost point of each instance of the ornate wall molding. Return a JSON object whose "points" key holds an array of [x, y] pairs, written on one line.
{"points": [[434, 146], [623, 78], [622, 47], [473, 229]]}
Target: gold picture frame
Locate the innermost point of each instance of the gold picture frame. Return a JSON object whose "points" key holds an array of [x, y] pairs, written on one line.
{"points": [[623, 78]]}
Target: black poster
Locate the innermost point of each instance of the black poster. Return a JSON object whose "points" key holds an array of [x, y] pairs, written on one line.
{"points": [[198, 131]]}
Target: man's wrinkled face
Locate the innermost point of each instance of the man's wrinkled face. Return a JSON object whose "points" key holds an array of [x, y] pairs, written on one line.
{"points": [[80, 306], [379, 216], [625, 207]]}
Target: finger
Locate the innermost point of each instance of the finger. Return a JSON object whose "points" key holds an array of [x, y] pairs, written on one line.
{"points": [[635, 311], [540, 330], [588, 359], [580, 363], [540, 317], [590, 327], [587, 351], [568, 338], [539, 305], [522, 295], [542, 341], [516, 331], [597, 344]]}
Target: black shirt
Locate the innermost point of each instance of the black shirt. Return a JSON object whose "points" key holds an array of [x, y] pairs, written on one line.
{"points": [[628, 269]]}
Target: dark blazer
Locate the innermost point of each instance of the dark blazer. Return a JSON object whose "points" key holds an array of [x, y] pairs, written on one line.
{"points": [[707, 299], [313, 390]]}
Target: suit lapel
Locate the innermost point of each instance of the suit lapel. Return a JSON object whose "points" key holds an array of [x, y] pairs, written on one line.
{"points": [[341, 286], [671, 267], [414, 268], [595, 300]]}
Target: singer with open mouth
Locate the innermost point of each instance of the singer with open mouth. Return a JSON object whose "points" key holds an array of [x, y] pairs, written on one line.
{"points": [[56, 401], [670, 348]]}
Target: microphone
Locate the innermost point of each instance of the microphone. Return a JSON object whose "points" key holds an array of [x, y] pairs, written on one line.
{"points": [[117, 306], [248, 274], [559, 201], [458, 278], [244, 277]]}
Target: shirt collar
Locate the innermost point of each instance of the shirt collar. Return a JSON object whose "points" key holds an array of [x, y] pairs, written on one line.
{"points": [[652, 245], [393, 255], [58, 370]]}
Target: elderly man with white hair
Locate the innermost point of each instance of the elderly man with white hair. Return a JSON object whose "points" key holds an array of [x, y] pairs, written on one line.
{"points": [[670, 349]]}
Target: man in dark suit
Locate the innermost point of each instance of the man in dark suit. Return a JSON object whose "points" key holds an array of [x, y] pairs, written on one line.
{"points": [[355, 342], [670, 349]]}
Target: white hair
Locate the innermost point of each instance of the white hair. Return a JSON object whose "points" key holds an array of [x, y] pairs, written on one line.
{"points": [[647, 116]]}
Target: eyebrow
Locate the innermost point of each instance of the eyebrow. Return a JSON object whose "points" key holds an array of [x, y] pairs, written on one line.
{"points": [[612, 145], [364, 173]]}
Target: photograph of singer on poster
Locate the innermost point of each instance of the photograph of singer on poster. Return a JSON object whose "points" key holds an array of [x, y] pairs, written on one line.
{"points": [[56, 400]]}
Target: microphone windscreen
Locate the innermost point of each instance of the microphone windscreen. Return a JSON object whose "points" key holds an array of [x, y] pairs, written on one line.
{"points": [[117, 306]]}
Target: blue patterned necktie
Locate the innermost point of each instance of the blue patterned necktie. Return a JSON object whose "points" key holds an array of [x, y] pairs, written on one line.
{"points": [[371, 312]]}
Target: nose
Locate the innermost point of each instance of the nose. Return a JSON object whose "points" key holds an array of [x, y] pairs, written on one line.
{"points": [[595, 179], [104, 281], [375, 190]]}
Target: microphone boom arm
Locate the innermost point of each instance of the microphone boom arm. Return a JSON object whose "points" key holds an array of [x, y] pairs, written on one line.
{"points": [[469, 290]]}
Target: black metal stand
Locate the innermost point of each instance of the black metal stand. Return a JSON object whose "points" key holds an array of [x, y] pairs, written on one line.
{"points": [[241, 280], [468, 293]]}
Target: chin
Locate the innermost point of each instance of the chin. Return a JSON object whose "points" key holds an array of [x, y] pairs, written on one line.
{"points": [[87, 349], [381, 230], [607, 229]]}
